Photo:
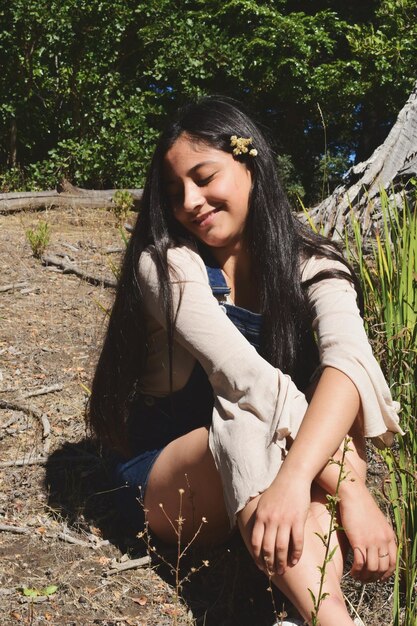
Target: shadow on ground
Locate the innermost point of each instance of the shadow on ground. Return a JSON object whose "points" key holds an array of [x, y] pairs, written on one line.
{"points": [[230, 591]]}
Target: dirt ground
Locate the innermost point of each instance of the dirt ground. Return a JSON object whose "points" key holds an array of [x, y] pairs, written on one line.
{"points": [[58, 523]]}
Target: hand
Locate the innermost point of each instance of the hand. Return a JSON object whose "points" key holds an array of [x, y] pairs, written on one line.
{"points": [[370, 535], [278, 532]]}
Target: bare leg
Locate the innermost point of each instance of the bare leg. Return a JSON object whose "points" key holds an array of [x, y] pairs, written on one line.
{"points": [[188, 461], [296, 581]]}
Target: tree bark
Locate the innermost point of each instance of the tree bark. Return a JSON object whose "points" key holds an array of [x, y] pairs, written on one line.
{"points": [[13, 143], [390, 167]]}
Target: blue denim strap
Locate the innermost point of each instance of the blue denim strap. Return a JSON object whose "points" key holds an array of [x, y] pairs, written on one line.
{"points": [[217, 281]]}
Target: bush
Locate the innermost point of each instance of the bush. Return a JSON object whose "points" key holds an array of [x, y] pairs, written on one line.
{"points": [[38, 238]]}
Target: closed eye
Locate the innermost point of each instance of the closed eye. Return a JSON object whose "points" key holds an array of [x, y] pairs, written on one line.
{"points": [[205, 181]]}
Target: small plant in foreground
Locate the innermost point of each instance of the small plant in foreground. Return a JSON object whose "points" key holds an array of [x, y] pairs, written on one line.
{"points": [[30, 592], [39, 238], [177, 526], [122, 204], [282, 614], [332, 502]]}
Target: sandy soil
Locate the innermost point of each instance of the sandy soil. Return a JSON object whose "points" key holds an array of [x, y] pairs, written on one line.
{"points": [[51, 328]]}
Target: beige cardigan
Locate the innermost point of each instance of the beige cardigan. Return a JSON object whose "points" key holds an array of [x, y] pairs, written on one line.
{"points": [[256, 405]]}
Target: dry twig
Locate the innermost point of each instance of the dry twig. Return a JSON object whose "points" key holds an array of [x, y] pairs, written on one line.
{"points": [[34, 599], [114, 249], [43, 391], [68, 267], [126, 565], [69, 539], [41, 417], [17, 530], [63, 536], [12, 286], [34, 460]]}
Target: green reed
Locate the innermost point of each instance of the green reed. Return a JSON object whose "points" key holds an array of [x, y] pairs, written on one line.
{"points": [[389, 280]]}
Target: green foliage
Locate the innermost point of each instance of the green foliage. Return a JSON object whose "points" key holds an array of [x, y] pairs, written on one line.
{"points": [[290, 180], [85, 86], [122, 204], [11, 179], [34, 592], [38, 238]]}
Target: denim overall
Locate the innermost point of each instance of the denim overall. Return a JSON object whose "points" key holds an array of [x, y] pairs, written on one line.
{"points": [[155, 422]]}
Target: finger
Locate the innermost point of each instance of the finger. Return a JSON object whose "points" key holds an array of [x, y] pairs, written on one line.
{"points": [[256, 543], [392, 552], [281, 550], [297, 543], [359, 558], [268, 549], [371, 569], [384, 560]]}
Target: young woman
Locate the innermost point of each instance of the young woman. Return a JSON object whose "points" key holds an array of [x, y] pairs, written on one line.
{"points": [[228, 315]]}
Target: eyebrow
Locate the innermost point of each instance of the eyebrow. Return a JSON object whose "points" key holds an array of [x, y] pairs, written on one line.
{"points": [[192, 170], [195, 167]]}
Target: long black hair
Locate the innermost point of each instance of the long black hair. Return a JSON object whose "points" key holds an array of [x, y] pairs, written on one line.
{"points": [[276, 241]]}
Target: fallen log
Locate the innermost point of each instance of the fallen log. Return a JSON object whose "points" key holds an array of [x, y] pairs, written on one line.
{"points": [[65, 195]]}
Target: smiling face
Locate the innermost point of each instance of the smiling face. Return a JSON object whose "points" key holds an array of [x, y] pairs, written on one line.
{"points": [[208, 191]]}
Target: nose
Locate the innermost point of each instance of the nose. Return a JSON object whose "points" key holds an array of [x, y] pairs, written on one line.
{"points": [[193, 197]]}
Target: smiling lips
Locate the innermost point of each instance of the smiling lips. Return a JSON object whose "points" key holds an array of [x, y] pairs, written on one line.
{"points": [[204, 220]]}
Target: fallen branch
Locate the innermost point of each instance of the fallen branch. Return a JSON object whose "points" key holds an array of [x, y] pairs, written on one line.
{"points": [[17, 530], [34, 460], [34, 599], [23, 530], [12, 286], [77, 542], [63, 536], [126, 565], [114, 249], [26, 290], [6, 591], [43, 391], [9, 423], [70, 247], [68, 267], [41, 417], [43, 459]]}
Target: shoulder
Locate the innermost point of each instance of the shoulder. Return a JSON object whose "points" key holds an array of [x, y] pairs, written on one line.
{"points": [[184, 263], [312, 266], [328, 282]]}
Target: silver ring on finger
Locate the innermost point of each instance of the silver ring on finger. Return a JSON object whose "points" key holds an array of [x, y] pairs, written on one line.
{"points": [[382, 556]]}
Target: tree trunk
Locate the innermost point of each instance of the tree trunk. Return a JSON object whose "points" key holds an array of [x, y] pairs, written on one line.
{"points": [[13, 143], [390, 167]]}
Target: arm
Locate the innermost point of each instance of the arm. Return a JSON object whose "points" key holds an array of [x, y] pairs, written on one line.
{"points": [[350, 378], [329, 417], [319, 436]]}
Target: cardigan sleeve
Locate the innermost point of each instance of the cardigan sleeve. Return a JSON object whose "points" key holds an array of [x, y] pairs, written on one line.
{"points": [[256, 405], [343, 344]]}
